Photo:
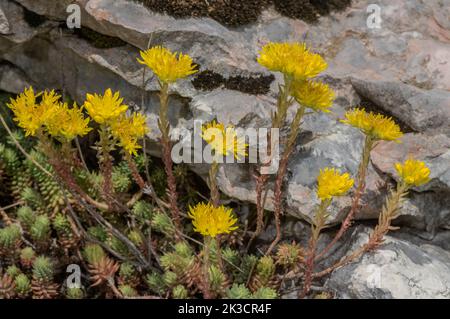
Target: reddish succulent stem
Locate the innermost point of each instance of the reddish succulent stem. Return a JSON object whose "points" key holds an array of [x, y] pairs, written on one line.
{"points": [[278, 192], [316, 228], [134, 171], [164, 127], [106, 162], [278, 119]]}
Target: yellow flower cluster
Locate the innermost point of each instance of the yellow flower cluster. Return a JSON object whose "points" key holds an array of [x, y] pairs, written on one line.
{"points": [[294, 60], [314, 95], [128, 130], [106, 108], [50, 113], [413, 172], [67, 123], [332, 183], [378, 126], [212, 221], [167, 66], [28, 114], [224, 140]]}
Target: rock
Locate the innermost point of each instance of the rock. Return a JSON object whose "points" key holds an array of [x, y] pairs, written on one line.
{"points": [[423, 111], [4, 24], [398, 269], [12, 79], [135, 24], [428, 211], [19, 30]]}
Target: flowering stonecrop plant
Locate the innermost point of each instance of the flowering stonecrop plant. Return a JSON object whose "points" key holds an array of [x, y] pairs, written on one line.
{"points": [[144, 231], [168, 67], [299, 66]]}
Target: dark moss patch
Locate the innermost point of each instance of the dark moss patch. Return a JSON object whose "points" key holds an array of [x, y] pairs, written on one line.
{"points": [[309, 10], [179, 9], [33, 19], [235, 13], [209, 80], [339, 5], [368, 105], [297, 9], [251, 85], [99, 40], [231, 13]]}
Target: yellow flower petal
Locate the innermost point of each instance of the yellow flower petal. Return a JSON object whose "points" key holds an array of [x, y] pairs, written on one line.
{"points": [[212, 221], [332, 183], [377, 126], [167, 66], [29, 114], [67, 123], [106, 108], [128, 130], [224, 140], [292, 59], [413, 172], [314, 95]]}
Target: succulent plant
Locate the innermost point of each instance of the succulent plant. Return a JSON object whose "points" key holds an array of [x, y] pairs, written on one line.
{"points": [[238, 291], [128, 291], [180, 292], [74, 293], [42, 283], [22, 286], [27, 257]]}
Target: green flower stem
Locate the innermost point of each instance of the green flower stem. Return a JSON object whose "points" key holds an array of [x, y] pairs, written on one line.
{"points": [[362, 172], [278, 192], [163, 123], [206, 266], [283, 103], [215, 200], [164, 127], [316, 228]]}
